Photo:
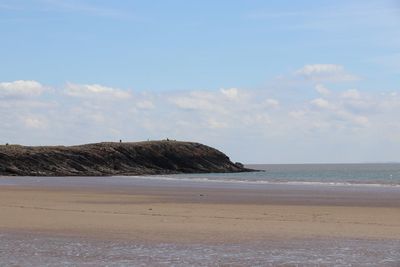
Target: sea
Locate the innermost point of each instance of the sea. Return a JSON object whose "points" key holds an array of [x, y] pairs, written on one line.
{"points": [[366, 174], [32, 249]]}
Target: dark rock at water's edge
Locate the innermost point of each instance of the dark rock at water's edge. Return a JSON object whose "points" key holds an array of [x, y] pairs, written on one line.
{"points": [[102, 159], [240, 165]]}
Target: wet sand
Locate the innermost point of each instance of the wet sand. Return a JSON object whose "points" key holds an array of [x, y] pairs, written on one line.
{"points": [[150, 212]]}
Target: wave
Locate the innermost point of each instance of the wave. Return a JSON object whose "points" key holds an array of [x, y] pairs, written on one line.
{"points": [[256, 182]]}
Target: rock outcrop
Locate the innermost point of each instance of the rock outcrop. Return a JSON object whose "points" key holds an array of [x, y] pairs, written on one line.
{"points": [[139, 158]]}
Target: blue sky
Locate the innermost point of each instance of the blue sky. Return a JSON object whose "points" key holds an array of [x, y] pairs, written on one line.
{"points": [[264, 81]]}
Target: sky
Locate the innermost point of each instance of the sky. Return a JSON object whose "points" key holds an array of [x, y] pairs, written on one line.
{"points": [[262, 81]]}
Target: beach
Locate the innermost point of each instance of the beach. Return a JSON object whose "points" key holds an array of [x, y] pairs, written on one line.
{"points": [[200, 213], [151, 212]]}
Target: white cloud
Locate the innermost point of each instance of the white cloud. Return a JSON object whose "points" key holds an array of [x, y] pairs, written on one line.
{"points": [[198, 100], [360, 102], [321, 89], [297, 114], [145, 104], [34, 122], [215, 124], [361, 120], [325, 72], [271, 103], [95, 90], [351, 94], [192, 101], [231, 93], [262, 119], [347, 110], [221, 101], [21, 88], [321, 103], [319, 69]]}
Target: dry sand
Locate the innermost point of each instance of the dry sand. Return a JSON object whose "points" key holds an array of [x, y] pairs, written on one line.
{"points": [[151, 213]]}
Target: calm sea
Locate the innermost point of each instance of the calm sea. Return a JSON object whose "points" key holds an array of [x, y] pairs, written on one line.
{"points": [[385, 174]]}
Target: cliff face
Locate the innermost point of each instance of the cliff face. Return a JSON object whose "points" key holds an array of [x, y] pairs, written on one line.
{"points": [[154, 157]]}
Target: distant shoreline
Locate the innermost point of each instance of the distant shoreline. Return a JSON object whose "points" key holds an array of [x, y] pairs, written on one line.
{"points": [[322, 163]]}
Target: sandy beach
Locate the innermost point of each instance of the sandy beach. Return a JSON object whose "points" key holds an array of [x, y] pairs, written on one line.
{"points": [[200, 214]]}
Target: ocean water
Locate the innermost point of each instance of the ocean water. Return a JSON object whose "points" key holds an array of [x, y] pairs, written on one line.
{"points": [[385, 174]]}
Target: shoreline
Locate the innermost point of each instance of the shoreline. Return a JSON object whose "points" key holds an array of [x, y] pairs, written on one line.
{"points": [[139, 209], [198, 178], [173, 177]]}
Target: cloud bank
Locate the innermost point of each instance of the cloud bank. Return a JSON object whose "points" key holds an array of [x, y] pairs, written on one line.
{"points": [[21, 88], [325, 125], [325, 73]]}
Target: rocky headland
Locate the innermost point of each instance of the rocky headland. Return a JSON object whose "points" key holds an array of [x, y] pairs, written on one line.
{"points": [[109, 158]]}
